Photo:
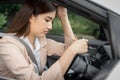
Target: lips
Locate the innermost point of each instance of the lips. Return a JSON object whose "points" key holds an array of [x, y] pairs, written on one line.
{"points": [[46, 32]]}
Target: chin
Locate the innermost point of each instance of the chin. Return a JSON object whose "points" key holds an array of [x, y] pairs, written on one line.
{"points": [[41, 35]]}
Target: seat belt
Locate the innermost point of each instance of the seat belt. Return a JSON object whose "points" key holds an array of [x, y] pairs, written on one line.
{"points": [[29, 51]]}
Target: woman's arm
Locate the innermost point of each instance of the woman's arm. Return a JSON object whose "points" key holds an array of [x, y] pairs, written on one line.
{"points": [[68, 33], [16, 63], [78, 46]]}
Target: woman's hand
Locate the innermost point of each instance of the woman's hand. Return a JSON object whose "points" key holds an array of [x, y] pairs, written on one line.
{"points": [[79, 46], [61, 11]]}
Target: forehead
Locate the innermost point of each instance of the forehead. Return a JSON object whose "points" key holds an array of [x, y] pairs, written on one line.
{"points": [[48, 14]]}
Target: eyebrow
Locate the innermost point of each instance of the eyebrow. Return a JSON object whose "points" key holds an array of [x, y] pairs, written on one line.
{"points": [[49, 17]]}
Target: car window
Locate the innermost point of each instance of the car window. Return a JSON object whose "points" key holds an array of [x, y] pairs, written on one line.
{"points": [[81, 26]]}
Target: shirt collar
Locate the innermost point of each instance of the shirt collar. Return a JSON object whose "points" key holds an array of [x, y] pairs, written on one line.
{"points": [[37, 43]]}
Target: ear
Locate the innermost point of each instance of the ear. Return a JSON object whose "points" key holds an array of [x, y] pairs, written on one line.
{"points": [[32, 18]]}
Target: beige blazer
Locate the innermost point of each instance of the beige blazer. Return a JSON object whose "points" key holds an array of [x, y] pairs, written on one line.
{"points": [[15, 62]]}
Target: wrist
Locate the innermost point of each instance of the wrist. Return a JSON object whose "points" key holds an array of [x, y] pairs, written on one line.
{"points": [[72, 50], [63, 17]]}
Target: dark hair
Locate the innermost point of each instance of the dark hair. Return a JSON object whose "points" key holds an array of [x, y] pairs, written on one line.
{"points": [[20, 23]]}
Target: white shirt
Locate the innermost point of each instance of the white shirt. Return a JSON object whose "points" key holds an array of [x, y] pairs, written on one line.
{"points": [[36, 51]]}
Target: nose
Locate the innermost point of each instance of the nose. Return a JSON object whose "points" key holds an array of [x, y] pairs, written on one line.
{"points": [[49, 26]]}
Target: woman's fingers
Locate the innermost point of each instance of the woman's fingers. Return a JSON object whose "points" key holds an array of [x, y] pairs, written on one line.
{"points": [[80, 46], [55, 4]]}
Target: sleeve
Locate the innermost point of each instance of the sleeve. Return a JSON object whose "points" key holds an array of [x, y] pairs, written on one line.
{"points": [[58, 48], [53, 73], [55, 48], [18, 65], [16, 62]]}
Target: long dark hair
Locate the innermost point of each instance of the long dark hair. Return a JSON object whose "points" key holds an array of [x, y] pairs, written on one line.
{"points": [[20, 23]]}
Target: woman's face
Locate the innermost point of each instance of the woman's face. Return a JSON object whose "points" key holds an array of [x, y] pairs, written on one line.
{"points": [[41, 24]]}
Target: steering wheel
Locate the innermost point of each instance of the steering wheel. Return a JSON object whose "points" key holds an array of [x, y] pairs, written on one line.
{"points": [[87, 65], [84, 66]]}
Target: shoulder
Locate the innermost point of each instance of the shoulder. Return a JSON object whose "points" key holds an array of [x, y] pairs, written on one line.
{"points": [[7, 41]]}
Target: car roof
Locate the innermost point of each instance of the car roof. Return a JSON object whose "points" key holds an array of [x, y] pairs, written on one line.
{"points": [[113, 5]]}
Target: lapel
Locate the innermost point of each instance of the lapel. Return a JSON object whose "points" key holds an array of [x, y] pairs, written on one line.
{"points": [[43, 51]]}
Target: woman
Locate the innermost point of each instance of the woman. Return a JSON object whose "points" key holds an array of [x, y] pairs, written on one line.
{"points": [[31, 24]]}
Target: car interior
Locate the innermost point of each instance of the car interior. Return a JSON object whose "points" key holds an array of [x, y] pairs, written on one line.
{"points": [[90, 64]]}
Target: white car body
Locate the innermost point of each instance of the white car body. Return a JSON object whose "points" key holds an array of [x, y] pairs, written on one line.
{"points": [[113, 5]]}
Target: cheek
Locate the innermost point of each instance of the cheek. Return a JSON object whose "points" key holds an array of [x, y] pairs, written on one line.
{"points": [[39, 27]]}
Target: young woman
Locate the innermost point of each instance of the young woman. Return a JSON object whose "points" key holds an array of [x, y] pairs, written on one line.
{"points": [[31, 24]]}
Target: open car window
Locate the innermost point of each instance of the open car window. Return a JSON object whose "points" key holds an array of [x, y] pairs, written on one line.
{"points": [[82, 27]]}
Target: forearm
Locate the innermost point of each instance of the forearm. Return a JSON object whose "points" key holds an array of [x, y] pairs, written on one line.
{"points": [[69, 36], [66, 59], [67, 27], [68, 33]]}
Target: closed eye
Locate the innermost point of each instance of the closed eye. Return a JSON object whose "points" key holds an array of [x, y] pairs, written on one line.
{"points": [[47, 20]]}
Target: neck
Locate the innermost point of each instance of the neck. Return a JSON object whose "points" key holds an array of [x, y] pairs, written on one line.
{"points": [[31, 39]]}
